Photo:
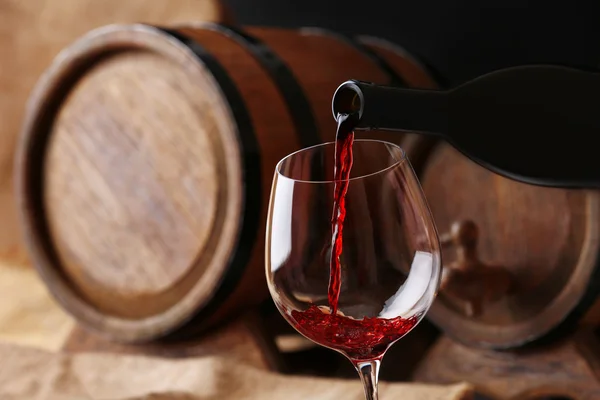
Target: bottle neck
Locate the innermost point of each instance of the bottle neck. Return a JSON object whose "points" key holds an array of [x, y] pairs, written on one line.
{"points": [[393, 108]]}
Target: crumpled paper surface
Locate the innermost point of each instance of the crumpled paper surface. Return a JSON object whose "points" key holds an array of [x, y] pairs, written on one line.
{"points": [[35, 374], [33, 330]]}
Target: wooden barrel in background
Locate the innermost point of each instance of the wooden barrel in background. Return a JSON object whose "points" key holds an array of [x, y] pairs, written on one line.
{"points": [[146, 157], [32, 33], [543, 242]]}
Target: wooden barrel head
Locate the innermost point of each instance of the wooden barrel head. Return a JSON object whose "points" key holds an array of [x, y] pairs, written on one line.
{"points": [[26, 52], [520, 261], [130, 181]]}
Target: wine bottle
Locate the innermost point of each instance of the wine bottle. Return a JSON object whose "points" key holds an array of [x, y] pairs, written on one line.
{"points": [[537, 124]]}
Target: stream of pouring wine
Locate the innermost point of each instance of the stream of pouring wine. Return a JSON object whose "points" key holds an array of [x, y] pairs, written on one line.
{"points": [[343, 165]]}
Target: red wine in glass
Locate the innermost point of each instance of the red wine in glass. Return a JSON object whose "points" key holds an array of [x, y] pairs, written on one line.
{"points": [[360, 339], [381, 269]]}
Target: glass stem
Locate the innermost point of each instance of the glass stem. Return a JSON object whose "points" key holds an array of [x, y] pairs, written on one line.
{"points": [[369, 375]]}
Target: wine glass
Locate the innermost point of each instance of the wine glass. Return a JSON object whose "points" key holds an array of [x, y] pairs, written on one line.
{"points": [[390, 260]]}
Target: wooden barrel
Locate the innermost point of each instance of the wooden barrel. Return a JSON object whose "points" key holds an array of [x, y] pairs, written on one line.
{"points": [[146, 157], [26, 52], [521, 262]]}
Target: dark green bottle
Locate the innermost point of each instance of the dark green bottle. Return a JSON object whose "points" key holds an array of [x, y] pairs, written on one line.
{"points": [[537, 124]]}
